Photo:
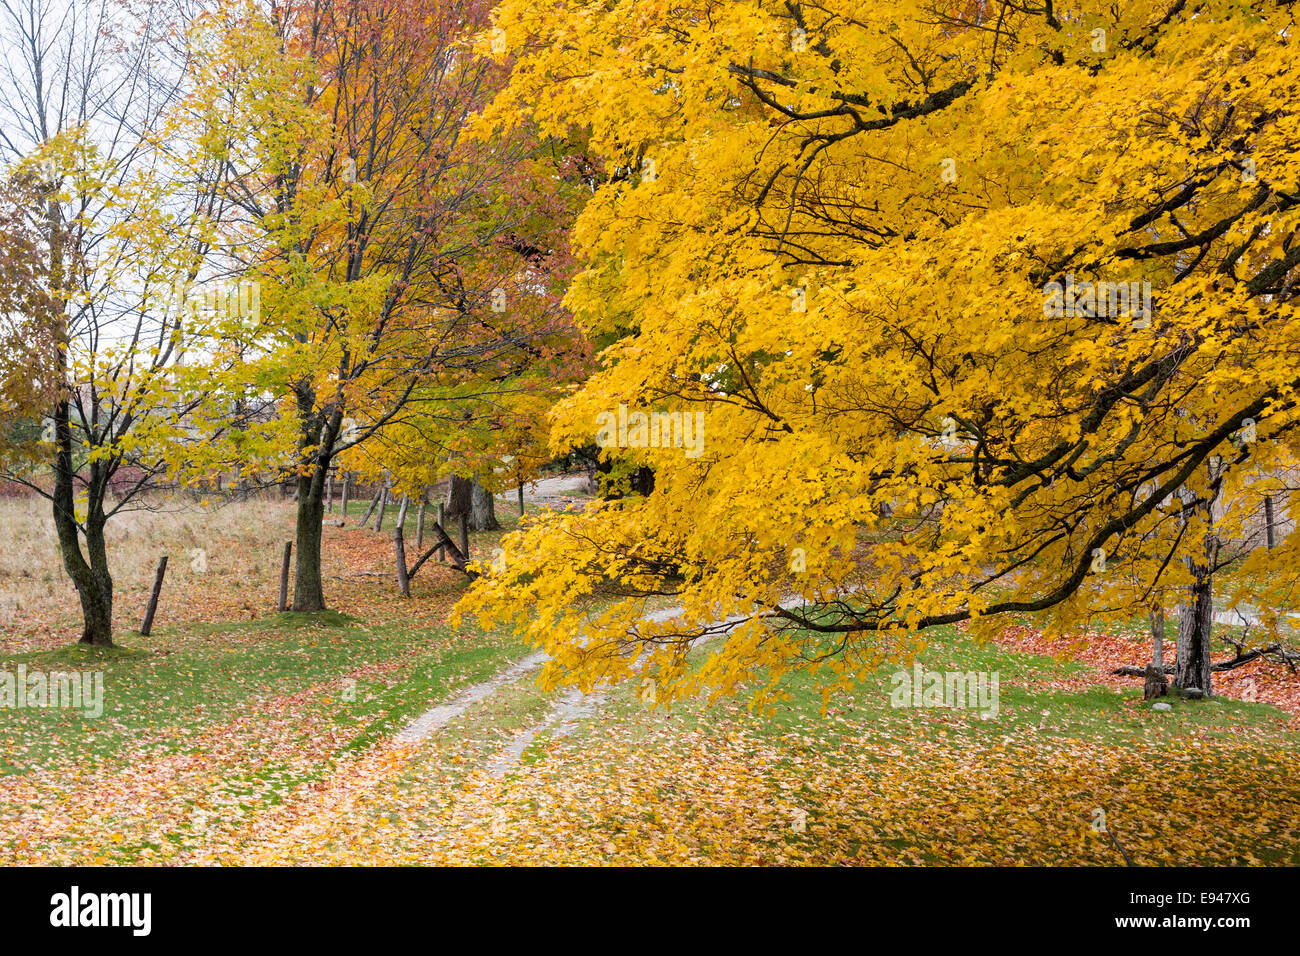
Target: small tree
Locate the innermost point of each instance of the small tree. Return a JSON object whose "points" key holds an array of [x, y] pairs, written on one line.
{"points": [[115, 229]]}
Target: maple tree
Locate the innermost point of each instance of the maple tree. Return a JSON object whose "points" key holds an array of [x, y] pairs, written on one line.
{"points": [[486, 426], [102, 231], [488, 431], [374, 227], [973, 300], [959, 330]]}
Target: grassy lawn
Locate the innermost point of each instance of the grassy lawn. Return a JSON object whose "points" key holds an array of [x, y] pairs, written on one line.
{"points": [[161, 700], [205, 725], [1208, 782], [269, 738]]}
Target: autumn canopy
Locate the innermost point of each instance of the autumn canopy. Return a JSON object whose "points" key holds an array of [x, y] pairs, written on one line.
{"points": [[986, 308]]}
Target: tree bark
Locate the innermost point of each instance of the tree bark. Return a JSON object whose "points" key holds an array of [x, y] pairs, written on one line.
{"points": [[1157, 616], [1155, 684], [1196, 614], [459, 498], [643, 481], [308, 586], [1195, 623], [640, 482], [483, 515], [1196, 620], [89, 572]]}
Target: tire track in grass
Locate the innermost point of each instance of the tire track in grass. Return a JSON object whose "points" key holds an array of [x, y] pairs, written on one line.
{"points": [[288, 833], [439, 716], [565, 714]]}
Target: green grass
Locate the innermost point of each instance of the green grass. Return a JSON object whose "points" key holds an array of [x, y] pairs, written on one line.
{"points": [[1027, 701], [161, 691], [164, 694]]}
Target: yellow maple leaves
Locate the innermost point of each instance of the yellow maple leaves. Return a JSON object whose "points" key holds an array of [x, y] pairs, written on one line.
{"points": [[835, 231]]}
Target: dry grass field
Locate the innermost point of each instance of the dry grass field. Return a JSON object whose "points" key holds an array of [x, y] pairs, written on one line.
{"points": [[223, 565]]}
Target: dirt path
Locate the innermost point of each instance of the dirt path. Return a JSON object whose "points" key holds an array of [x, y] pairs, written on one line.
{"points": [[566, 713], [439, 716]]}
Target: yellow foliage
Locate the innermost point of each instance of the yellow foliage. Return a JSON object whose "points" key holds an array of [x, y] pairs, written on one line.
{"points": [[866, 246]]}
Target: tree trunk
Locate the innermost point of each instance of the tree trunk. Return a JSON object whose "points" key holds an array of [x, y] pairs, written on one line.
{"points": [[1156, 684], [640, 482], [643, 481], [308, 587], [89, 572], [1157, 617], [1195, 623], [90, 577], [459, 498], [1196, 614], [483, 516], [401, 513]]}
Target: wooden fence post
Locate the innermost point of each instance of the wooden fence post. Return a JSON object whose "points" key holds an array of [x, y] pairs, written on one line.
{"points": [[383, 506], [147, 626], [442, 523], [419, 526], [399, 545], [373, 501], [284, 576], [464, 535]]}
